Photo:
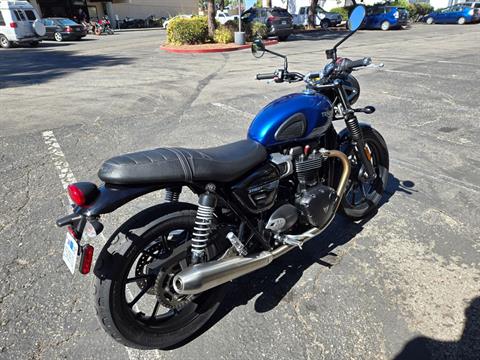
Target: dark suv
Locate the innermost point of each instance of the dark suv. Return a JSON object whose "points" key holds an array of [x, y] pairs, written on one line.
{"points": [[279, 21]]}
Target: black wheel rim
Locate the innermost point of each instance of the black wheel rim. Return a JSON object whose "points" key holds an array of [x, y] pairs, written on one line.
{"points": [[358, 192]]}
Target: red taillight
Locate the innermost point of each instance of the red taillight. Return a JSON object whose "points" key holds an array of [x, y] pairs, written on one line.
{"points": [[68, 29], [72, 232], [87, 258], [13, 25], [273, 18], [83, 193], [76, 194]]}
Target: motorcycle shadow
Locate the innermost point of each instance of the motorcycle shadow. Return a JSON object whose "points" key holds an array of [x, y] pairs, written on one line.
{"points": [[274, 282]]}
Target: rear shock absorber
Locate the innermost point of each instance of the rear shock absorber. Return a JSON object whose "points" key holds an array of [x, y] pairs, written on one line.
{"points": [[203, 223], [172, 194]]}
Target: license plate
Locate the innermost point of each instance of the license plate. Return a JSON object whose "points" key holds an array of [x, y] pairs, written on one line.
{"points": [[70, 251], [284, 22]]}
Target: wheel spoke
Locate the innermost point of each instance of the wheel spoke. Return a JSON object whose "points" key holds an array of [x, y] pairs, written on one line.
{"points": [[140, 294], [140, 277], [155, 309]]}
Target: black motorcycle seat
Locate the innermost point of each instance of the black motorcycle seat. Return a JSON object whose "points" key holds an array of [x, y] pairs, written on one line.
{"points": [[166, 165]]}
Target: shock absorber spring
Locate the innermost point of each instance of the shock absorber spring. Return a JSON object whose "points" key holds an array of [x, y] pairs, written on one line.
{"points": [[172, 194], [354, 128], [203, 224]]}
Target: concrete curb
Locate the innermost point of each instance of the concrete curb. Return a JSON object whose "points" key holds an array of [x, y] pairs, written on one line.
{"points": [[211, 50]]}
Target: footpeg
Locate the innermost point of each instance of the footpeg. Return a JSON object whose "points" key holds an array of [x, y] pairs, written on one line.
{"points": [[292, 242], [237, 244]]}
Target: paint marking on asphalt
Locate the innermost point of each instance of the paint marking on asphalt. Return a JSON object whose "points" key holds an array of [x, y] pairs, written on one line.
{"points": [[58, 158], [231, 108], [407, 72], [66, 177]]}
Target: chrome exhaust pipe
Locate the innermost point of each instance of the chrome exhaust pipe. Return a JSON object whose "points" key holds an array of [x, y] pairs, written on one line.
{"points": [[202, 277]]}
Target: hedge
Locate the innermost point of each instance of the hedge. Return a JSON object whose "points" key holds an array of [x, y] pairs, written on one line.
{"points": [[188, 31]]}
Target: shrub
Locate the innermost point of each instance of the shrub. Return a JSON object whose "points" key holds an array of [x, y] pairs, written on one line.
{"points": [[223, 35], [259, 30], [188, 31], [342, 11]]}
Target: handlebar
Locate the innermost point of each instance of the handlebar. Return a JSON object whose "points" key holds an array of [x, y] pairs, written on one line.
{"points": [[349, 65], [266, 76]]}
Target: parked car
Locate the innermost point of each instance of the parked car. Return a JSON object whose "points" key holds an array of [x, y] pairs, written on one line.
{"points": [[223, 17], [60, 29], [279, 21], [386, 17], [129, 23], [165, 24], [323, 18], [456, 14], [19, 24]]}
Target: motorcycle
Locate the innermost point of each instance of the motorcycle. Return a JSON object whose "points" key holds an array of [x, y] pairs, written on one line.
{"points": [[162, 274], [104, 27]]}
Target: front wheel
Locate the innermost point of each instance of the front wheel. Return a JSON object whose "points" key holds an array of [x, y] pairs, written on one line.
{"points": [[461, 21], [138, 305], [430, 20], [362, 196]]}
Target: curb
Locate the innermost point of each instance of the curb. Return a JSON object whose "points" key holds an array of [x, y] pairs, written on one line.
{"points": [[214, 50]]}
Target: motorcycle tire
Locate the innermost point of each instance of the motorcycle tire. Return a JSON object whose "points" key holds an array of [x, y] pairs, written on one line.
{"points": [[130, 242], [371, 196]]}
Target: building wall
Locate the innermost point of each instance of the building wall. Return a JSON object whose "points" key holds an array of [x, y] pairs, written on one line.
{"points": [[143, 8], [294, 5]]}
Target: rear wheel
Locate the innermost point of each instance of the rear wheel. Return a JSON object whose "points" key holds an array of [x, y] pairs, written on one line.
{"points": [[363, 196], [4, 42], [283, 38], [461, 21], [430, 21], [385, 26], [34, 43], [139, 307], [58, 37]]}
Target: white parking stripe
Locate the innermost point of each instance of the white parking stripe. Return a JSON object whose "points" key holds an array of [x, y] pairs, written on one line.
{"points": [[66, 177], [231, 108]]}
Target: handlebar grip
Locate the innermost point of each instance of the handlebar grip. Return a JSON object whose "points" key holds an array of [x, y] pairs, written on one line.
{"points": [[266, 76], [361, 62]]}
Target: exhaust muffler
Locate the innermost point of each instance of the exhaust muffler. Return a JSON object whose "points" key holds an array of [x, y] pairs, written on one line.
{"points": [[202, 277]]}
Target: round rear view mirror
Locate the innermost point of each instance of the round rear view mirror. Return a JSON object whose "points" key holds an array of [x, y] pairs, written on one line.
{"points": [[258, 48], [356, 17]]}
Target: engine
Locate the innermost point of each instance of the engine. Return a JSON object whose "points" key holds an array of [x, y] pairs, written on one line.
{"points": [[315, 201]]}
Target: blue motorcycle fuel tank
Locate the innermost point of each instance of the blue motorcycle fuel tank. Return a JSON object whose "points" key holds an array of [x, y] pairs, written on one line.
{"points": [[292, 117]]}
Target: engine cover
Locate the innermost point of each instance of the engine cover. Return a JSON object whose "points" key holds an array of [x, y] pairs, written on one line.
{"points": [[317, 205]]}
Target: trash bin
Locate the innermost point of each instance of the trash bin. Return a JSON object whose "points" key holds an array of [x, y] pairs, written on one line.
{"points": [[239, 38]]}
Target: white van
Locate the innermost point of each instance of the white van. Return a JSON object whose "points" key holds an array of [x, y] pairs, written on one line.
{"points": [[19, 23]]}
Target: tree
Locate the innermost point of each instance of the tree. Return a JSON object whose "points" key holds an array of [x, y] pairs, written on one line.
{"points": [[312, 13], [211, 12]]}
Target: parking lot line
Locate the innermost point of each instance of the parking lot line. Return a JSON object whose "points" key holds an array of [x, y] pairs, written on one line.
{"points": [[66, 177]]}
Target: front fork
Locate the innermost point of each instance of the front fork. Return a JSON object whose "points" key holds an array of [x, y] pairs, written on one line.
{"points": [[351, 121]]}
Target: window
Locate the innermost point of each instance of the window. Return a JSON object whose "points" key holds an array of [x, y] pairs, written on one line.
{"points": [[2, 21], [30, 15], [20, 15], [66, 22], [263, 13], [302, 11], [280, 12]]}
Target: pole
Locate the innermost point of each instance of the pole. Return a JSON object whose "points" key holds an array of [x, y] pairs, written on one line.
{"points": [[239, 15]]}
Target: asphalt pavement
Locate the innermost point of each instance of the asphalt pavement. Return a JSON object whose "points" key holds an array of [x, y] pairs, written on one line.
{"points": [[398, 285]]}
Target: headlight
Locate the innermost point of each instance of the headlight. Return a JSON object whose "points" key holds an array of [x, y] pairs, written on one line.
{"points": [[470, 12], [396, 14]]}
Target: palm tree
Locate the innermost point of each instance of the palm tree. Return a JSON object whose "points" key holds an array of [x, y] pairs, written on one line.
{"points": [[211, 12], [312, 13]]}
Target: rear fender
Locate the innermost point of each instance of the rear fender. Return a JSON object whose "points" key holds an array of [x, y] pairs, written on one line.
{"points": [[111, 260], [111, 197]]}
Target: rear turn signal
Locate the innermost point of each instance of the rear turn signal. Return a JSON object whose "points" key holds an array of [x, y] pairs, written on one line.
{"points": [[86, 260], [83, 193], [13, 25]]}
